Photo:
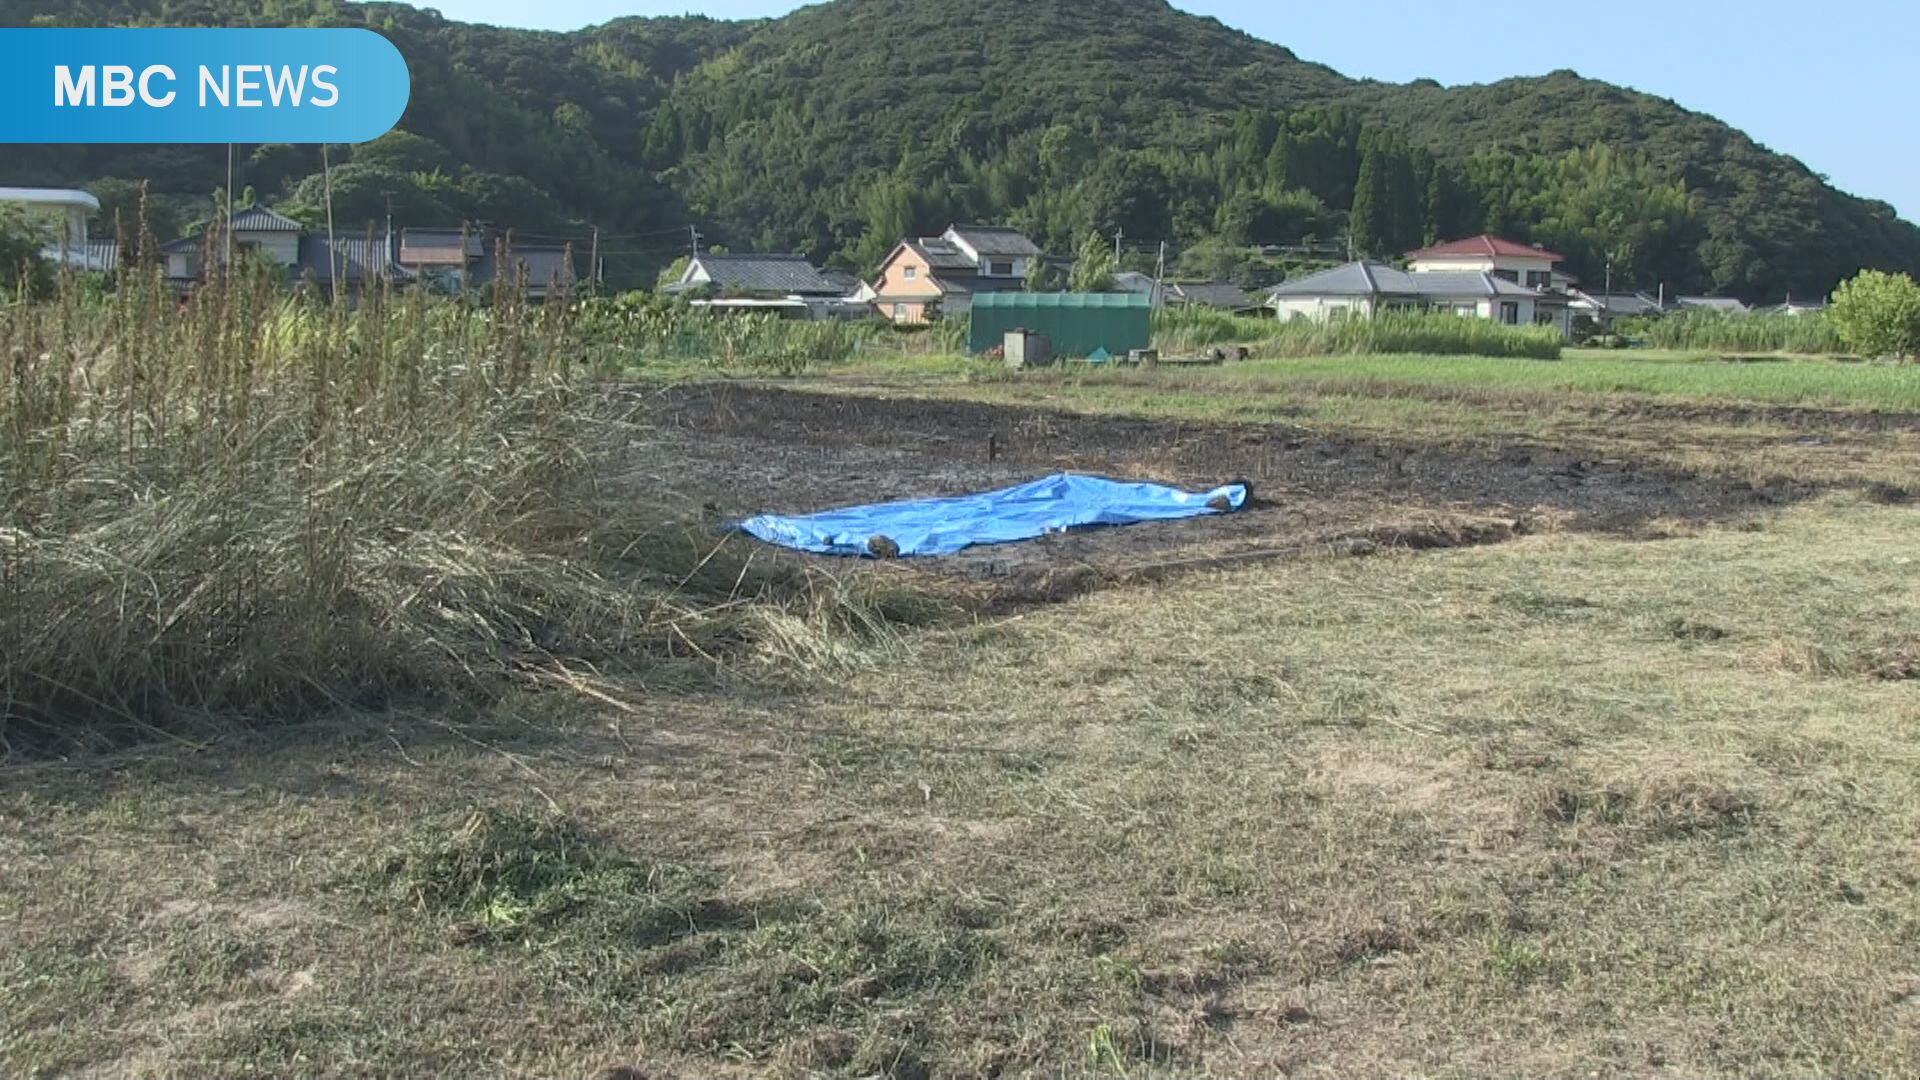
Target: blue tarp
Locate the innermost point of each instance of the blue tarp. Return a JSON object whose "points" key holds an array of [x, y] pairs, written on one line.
{"points": [[945, 526]]}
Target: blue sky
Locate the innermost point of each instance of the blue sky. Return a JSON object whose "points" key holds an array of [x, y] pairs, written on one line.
{"points": [[1832, 84]]}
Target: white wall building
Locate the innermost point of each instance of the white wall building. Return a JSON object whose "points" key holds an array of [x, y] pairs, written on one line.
{"points": [[61, 215], [1364, 289]]}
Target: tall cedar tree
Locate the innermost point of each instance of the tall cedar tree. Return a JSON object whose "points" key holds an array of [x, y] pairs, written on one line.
{"points": [[1370, 219]]}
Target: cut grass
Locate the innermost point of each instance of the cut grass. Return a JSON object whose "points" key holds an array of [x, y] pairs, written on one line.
{"points": [[1568, 804]]}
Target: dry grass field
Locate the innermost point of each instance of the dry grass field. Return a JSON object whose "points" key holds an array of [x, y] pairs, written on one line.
{"points": [[1516, 738]]}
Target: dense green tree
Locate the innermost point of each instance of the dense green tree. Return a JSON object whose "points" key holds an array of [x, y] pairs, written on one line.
{"points": [[363, 196], [1878, 314], [1040, 276], [511, 202], [271, 168], [1370, 223], [21, 267], [403, 151], [1267, 216], [121, 203], [1093, 270]]}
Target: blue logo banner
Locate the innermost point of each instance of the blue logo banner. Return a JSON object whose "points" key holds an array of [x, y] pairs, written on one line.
{"points": [[199, 86]]}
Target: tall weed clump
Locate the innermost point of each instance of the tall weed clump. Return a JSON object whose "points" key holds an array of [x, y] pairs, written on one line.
{"points": [[1719, 331], [636, 328], [245, 503], [1385, 333]]}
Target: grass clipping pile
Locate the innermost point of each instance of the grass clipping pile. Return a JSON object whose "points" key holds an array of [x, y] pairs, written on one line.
{"points": [[253, 506]]}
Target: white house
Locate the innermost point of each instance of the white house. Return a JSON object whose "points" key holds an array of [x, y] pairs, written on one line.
{"points": [[994, 251], [785, 285], [1364, 289], [1528, 265], [61, 214], [1519, 263], [946, 272], [1797, 308], [273, 237], [1607, 308]]}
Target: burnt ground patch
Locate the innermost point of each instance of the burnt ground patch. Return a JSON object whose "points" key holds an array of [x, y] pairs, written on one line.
{"points": [[729, 450]]}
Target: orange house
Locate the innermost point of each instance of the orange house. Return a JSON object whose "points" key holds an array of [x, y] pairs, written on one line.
{"points": [[949, 270]]}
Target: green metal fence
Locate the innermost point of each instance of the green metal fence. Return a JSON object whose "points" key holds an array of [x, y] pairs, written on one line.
{"points": [[1076, 323]]}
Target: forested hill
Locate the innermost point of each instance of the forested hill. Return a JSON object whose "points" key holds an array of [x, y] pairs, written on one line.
{"points": [[842, 127]]}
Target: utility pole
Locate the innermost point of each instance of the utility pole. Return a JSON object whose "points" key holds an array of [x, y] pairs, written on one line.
{"points": [[333, 262], [228, 259], [1117, 234], [693, 232], [386, 256], [1159, 274], [593, 259]]}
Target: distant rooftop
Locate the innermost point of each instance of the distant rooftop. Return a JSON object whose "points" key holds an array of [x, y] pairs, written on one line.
{"points": [[995, 240], [49, 197], [1484, 247], [1378, 279], [786, 275], [941, 255], [261, 219], [1213, 294]]}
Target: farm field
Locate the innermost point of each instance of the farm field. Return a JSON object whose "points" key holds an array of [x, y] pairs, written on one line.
{"points": [[1536, 718], [1776, 421]]}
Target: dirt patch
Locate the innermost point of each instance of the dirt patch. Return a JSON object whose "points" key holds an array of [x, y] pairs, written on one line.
{"points": [[723, 451], [1798, 417]]}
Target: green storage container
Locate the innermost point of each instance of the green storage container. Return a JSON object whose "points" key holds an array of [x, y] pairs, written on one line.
{"points": [[1076, 323]]}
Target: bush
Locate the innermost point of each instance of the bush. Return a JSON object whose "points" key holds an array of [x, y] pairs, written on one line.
{"points": [[1389, 332], [621, 331], [1878, 314], [1719, 331], [22, 271]]}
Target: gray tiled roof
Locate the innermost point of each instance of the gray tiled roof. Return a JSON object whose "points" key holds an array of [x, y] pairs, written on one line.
{"points": [[786, 275], [1379, 279], [969, 285], [1353, 279], [1212, 294], [358, 260], [1466, 283], [261, 219], [1625, 303], [941, 255], [996, 240]]}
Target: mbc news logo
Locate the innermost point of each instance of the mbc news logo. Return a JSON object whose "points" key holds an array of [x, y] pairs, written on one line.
{"points": [[198, 86], [255, 85]]}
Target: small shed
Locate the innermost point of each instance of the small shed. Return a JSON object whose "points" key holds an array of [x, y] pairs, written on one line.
{"points": [[1076, 323]]}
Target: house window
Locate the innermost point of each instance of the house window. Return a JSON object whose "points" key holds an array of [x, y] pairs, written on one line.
{"points": [[899, 313], [1539, 279], [1000, 269], [910, 272], [1466, 311], [1508, 275], [1510, 312]]}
